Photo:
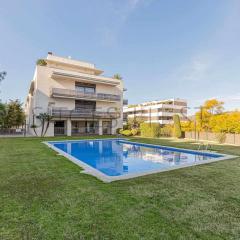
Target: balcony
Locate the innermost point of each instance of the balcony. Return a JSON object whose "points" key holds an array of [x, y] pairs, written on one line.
{"points": [[67, 93], [125, 102], [84, 113]]}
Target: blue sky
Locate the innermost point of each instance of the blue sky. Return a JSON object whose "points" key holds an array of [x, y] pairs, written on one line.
{"points": [[162, 48]]}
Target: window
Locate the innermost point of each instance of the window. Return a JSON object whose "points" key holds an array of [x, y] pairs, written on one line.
{"points": [[89, 90], [85, 87], [85, 105]]}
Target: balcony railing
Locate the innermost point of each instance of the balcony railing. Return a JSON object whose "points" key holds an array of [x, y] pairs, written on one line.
{"points": [[125, 102], [85, 131], [59, 131], [83, 113], [68, 93]]}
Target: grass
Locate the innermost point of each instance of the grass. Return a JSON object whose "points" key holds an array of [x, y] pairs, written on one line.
{"points": [[44, 196]]}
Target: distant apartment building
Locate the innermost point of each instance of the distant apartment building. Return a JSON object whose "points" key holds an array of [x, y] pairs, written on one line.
{"points": [[157, 111], [76, 96]]}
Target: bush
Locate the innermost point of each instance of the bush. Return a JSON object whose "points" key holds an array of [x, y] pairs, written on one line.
{"points": [[126, 133], [118, 130], [167, 131], [150, 130], [41, 62], [177, 126], [134, 131], [221, 137]]}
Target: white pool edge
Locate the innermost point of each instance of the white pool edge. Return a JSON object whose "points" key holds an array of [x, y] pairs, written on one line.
{"points": [[107, 179]]}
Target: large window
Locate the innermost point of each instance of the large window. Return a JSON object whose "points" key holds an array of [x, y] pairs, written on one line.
{"points": [[85, 87], [85, 105]]}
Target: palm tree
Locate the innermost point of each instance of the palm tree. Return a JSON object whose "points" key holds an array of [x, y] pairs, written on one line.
{"points": [[117, 76], [45, 118]]}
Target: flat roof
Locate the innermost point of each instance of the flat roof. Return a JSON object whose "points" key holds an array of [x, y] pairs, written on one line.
{"points": [[71, 62], [155, 102]]}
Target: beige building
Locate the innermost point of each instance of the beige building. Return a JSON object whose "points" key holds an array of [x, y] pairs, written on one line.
{"points": [[157, 111], [76, 95]]}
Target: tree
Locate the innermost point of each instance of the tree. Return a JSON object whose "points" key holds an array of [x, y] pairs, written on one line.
{"points": [[2, 75], [14, 114], [41, 62], [187, 126], [2, 114], [45, 119], [117, 76], [213, 106], [177, 131], [209, 108], [134, 122]]}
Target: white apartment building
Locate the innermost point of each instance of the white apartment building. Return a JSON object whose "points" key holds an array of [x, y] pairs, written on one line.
{"points": [[78, 98], [157, 111]]}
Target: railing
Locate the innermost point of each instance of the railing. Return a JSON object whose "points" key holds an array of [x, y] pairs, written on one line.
{"points": [[125, 101], [83, 113], [85, 130], [59, 92], [12, 131], [58, 131]]}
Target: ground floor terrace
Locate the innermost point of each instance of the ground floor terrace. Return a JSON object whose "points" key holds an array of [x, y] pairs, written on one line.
{"points": [[45, 196], [69, 127]]}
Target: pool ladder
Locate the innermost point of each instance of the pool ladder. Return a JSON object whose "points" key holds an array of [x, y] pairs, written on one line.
{"points": [[203, 147]]}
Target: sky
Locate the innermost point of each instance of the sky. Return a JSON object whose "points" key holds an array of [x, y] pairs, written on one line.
{"points": [[162, 48]]}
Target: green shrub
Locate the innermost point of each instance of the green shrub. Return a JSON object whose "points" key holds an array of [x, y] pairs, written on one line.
{"points": [[150, 129], [134, 131], [177, 131], [167, 130], [118, 130], [41, 62], [126, 133]]}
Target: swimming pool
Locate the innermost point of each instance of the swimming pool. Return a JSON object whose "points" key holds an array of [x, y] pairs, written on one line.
{"points": [[116, 159]]}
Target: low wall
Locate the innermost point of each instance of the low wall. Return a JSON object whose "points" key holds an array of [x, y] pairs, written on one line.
{"points": [[230, 138]]}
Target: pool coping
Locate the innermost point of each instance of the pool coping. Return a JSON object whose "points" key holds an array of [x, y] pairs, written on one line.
{"points": [[87, 169]]}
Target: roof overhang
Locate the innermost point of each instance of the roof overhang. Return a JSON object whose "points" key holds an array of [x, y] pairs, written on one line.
{"points": [[95, 70], [84, 78]]}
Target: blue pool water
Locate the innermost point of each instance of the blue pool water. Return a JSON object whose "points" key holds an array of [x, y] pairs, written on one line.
{"points": [[120, 157]]}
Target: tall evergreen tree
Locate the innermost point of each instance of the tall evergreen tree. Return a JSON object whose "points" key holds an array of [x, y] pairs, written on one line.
{"points": [[177, 126]]}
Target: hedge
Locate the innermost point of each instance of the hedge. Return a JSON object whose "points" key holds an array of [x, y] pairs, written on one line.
{"points": [[150, 129]]}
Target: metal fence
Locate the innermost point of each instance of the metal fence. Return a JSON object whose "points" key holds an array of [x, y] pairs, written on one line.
{"points": [[59, 131], [85, 131], [12, 131]]}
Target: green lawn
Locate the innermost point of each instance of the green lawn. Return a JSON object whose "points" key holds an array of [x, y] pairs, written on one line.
{"points": [[44, 196]]}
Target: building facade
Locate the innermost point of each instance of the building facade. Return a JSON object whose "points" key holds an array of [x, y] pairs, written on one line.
{"points": [[157, 111], [78, 99]]}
